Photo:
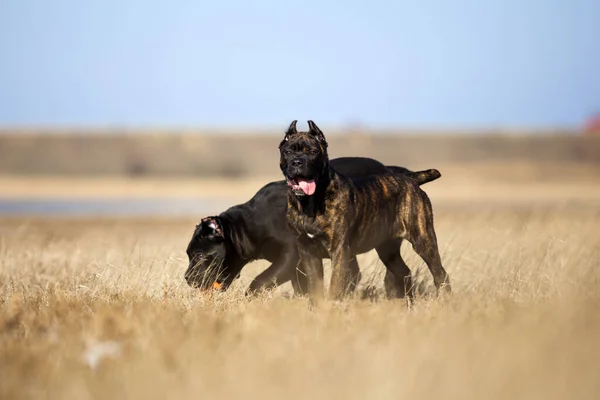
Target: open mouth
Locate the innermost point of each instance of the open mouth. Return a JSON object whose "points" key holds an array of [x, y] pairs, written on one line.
{"points": [[302, 186]]}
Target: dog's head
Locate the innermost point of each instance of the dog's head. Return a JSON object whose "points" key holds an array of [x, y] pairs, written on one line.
{"points": [[207, 251], [303, 158]]}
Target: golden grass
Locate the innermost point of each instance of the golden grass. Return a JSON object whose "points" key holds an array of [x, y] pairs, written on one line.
{"points": [[98, 309]]}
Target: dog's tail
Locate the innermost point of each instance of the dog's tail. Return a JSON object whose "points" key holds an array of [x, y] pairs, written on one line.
{"points": [[421, 177]]}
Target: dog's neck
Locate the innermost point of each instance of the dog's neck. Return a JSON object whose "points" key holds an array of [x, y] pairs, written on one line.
{"points": [[311, 206], [234, 231]]}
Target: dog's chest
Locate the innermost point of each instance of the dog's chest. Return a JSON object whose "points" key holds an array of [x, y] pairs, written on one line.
{"points": [[310, 227]]}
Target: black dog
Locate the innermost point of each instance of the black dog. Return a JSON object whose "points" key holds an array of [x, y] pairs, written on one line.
{"points": [[336, 216], [222, 245]]}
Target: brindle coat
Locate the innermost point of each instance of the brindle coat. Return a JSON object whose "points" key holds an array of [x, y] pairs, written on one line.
{"points": [[346, 216]]}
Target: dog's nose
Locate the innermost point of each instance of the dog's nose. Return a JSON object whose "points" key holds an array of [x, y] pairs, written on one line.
{"points": [[297, 162], [190, 275]]}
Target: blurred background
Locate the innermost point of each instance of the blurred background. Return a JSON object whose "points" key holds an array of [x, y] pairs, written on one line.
{"points": [[132, 107]]}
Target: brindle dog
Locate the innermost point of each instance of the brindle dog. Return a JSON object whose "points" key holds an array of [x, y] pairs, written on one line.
{"points": [[336, 216]]}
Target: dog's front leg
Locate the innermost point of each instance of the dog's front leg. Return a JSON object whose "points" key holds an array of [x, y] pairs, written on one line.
{"points": [[281, 271], [340, 274], [313, 265]]}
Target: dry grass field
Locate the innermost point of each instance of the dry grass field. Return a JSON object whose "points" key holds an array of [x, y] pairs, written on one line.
{"points": [[96, 309]]}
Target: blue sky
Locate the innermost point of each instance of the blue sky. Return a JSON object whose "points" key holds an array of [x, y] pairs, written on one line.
{"points": [[462, 63]]}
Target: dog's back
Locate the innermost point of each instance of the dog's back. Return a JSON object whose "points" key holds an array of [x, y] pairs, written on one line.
{"points": [[383, 205]]}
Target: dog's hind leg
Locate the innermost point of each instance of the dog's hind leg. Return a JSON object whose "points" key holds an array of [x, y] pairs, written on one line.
{"points": [[424, 242], [398, 280]]}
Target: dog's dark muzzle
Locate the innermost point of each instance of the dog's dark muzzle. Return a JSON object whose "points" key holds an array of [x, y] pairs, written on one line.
{"points": [[301, 176], [297, 162], [202, 273], [296, 167], [197, 281]]}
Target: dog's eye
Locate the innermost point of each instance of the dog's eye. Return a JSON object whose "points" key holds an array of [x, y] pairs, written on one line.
{"points": [[314, 152], [287, 152]]}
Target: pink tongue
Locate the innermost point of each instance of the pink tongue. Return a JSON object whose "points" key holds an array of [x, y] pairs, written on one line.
{"points": [[308, 187]]}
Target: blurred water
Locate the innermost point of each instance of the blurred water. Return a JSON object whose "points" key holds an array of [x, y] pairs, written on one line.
{"points": [[187, 207], [190, 207], [114, 207]]}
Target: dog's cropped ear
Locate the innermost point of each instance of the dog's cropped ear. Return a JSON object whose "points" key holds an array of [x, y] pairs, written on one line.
{"points": [[291, 130], [313, 129], [211, 227]]}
